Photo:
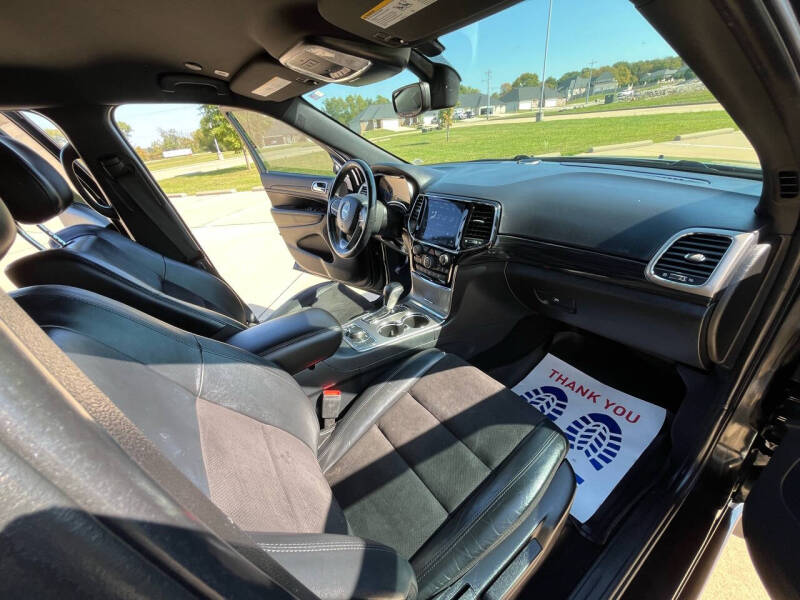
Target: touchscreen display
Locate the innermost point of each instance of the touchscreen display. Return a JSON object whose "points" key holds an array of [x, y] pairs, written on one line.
{"points": [[442, 222]]}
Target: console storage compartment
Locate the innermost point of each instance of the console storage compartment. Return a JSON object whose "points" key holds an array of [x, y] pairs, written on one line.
{"points": [[294, 342]]}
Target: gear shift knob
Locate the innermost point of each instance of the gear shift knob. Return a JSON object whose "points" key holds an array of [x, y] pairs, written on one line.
{"points": [[391, 294]]}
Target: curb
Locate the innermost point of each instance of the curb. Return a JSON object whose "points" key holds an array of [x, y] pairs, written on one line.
{"points": [[620, 146], [215, 192], [180, 195], [697, 134]]}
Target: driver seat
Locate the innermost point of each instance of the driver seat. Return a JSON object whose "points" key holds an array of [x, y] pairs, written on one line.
{"points": [[102, 260]]}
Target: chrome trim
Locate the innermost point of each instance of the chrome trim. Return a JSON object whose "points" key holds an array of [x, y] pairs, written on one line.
{"points": [[29, 238], [741, 242], [320, 186], [495, 223], [371, 324]]}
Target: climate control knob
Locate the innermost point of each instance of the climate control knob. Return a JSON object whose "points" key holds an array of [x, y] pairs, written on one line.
{"points": [[427, 261], [444, 259], [416, 249]]}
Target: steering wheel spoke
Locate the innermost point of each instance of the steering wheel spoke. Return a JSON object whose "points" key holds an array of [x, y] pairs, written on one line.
{"points": [[351, 217]]}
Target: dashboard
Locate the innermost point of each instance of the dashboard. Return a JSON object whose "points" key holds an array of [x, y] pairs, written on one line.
{"points": [[652, 258]]}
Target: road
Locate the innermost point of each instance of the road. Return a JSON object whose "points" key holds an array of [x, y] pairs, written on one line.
{"points": [[727, 147]]}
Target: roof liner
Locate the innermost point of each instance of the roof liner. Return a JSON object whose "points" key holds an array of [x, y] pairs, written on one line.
{"points": [[114, 51]]}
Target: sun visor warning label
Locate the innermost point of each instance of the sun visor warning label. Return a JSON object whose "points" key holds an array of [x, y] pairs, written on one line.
{"points": [[389, 12], [607, 429], [271, 86]]}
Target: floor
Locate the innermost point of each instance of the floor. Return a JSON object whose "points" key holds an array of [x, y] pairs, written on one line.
{"points": [[239, 235]]}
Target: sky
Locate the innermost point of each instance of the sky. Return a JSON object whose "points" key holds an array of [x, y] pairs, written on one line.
{"points": [[507, 43]]}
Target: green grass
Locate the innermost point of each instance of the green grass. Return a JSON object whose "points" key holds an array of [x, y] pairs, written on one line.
{"points": [[671, 100], [566, 136], [497, 140], [179, 161], [243, 179]]}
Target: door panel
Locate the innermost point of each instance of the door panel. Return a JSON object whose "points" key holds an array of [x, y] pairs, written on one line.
{"points": [[299, 199], [771, 519], [298, 211]]}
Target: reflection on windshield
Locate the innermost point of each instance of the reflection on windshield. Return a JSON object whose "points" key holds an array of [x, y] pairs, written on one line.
{"points": [[605, 94]]}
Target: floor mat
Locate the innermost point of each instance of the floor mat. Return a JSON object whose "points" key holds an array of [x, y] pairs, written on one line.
{"points": [[608, 430]]}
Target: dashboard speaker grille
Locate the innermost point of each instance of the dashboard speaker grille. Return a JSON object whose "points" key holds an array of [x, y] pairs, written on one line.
{"points": [[691, 259], [480, 224]]}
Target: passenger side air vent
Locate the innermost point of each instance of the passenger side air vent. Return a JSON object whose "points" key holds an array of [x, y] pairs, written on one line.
{"points": [[480, 224], [416, 213], [692, 258], [788, 183]]}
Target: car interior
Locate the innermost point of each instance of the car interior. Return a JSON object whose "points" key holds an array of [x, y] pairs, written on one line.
{"points": [[160, 440]]}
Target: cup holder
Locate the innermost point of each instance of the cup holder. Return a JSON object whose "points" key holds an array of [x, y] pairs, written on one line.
{"points": [[416, 321], [391, 330]]}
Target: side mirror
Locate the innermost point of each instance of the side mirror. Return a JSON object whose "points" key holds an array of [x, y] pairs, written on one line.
{"points": [[412, 100]]}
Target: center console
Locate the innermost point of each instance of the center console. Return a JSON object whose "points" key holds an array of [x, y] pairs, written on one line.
{"points": [[441, 228]]}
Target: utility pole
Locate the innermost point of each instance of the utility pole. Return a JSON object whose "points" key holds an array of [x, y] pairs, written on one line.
{"points": [[539, 115], [589, 85], [488, 93]]}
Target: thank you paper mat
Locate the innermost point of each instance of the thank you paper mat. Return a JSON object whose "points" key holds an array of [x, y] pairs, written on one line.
{"points": [[607, 429]]}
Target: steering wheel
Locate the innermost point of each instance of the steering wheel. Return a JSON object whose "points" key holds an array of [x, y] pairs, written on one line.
{"points": [[82, 179], [352, 218]]}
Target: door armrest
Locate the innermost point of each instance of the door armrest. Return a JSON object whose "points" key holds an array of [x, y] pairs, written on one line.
{"points": [[294, 342]]}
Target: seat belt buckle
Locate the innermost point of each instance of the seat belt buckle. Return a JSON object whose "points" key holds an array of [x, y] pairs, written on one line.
{"points": [[331, 405]]}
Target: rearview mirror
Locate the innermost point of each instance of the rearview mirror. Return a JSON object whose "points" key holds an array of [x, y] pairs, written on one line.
{"points": [[412, 100]]}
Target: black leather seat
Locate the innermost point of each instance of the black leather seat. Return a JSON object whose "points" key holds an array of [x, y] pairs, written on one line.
{"points": [[436, 480], [435, 472], [101, 260]]}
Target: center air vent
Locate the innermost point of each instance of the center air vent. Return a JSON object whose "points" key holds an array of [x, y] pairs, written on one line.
{"points": [[416, 213], [692, 258], [479, 228]]}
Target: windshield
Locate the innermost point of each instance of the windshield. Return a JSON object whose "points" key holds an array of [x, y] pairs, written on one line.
{"points": [[612, 88]]}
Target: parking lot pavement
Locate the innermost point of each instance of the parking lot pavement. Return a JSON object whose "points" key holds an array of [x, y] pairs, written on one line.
{"points": [[725, 147]]}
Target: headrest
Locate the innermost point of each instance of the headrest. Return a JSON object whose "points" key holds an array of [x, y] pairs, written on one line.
{"points": [[30, 187], [8, 231]]}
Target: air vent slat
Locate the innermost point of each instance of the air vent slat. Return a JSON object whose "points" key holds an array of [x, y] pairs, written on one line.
{"points": [[479, 227], [416, 213], [693, 258], [789, 183]]}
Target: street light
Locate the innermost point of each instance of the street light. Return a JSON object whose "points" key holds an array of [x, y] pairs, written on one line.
{"points": [[539, 115]]}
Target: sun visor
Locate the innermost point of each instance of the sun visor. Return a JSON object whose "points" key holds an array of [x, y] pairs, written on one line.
{"points": [[264, 79], [405, 22]]}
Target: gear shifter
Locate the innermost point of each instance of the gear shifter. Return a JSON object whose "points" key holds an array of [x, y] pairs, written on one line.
{"points": [[391, 294]]}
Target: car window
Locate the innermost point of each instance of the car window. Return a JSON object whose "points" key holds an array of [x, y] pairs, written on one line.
{"points": [[198, 159], [283, 148], [603, 93], [47, 127]]}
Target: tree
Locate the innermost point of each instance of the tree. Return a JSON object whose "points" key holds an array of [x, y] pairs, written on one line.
{"points": [[526, 80], [623, 74], [214, 125], [505, 88], [551, 82], [126, 129], [446, 120], [381, 100], [346, 109], [467, 89], [172, 139]]}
